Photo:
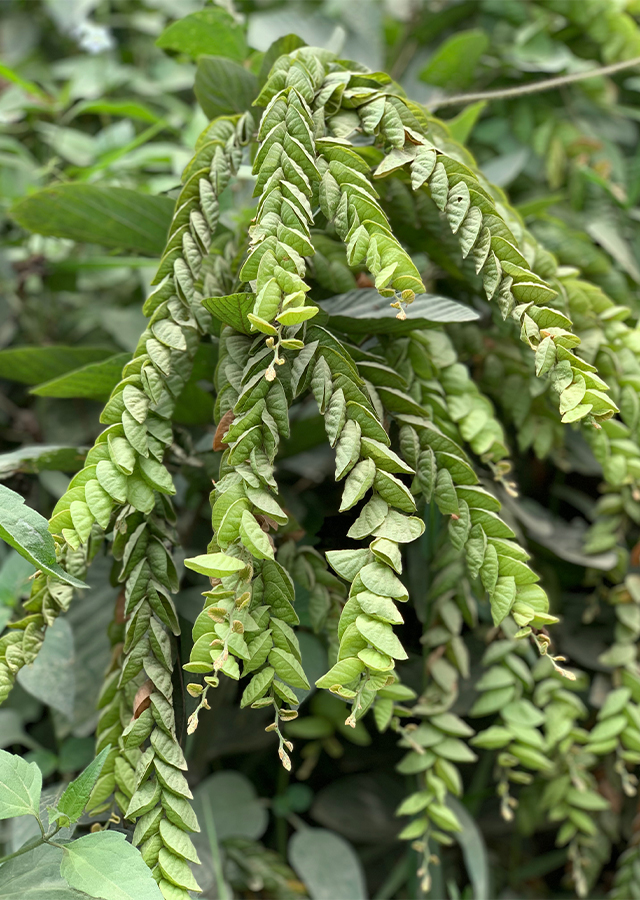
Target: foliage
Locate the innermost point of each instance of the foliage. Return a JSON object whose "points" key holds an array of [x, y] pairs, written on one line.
{"points": [[420, 564]]}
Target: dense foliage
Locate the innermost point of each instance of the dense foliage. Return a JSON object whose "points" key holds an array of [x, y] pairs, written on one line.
{"points": [[379, 408]]}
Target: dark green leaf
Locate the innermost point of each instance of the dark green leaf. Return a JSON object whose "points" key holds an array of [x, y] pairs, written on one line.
{"points": [[327, 865], [365, 311], [77, 793], [31, 365], [25, 530], [41, 458], [111, 216], [210, 30], [223, 87], [232, 310], [286, 44], [233, 804], [95, 381], [51, 677], [453, 64]]}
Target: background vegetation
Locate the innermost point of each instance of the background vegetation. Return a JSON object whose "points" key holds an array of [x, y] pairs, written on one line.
{"points": [[101, 94]]}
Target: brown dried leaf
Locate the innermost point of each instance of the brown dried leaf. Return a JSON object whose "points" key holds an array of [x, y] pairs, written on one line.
{"points": [[119, 610], [142, 700], [266, 522], [223, 426]]}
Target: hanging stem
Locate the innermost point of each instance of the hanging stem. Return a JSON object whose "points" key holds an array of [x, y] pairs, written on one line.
{"points": [[535, 87]]}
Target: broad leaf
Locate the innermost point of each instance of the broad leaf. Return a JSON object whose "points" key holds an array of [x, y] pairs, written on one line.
{"points": [[224, 87], [94, 381], [210, 30], [111, 216], [31, 365], [25, 530], [232, 310], [453, 64], [327, 865], [36, 876], [107, 866], [20, 786], [286, 44], [215, 565], [51, 678], [609, 236], [41, 458], [462, 126], [473, 849], [12, 730], [230, 799], [367, 312]]}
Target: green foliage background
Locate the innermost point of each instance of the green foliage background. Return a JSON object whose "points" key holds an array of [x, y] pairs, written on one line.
{"points": [[99, 122]]}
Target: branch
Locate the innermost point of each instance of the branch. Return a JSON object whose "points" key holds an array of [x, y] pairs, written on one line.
{"points": [[534, 87], [32, 845]]}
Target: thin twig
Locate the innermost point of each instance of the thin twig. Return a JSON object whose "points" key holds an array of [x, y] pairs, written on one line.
{"points": [[534, 87], [32, 845]]}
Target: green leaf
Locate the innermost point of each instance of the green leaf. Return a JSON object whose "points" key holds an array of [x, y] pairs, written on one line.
{"points": [[41, 458], [343, 672], [474, 850], [379, 579], [286, 44], [26, 531], [384, 458], [380, 607], [372, 516], [36, 876], [232, 309], [572, 395], [210, 30], [50, 677], [178, 842], [445, 494], [215, 565], [111, 216], [12, 730], [502, 598], [31, 365], [76, 795], [156, 475], [347, 563], [20, 786], [288, 668], [176, 870], [227, 806], [294, 315], [327, 865], [107, 866], [609, 235], [462, 125], [400, 528], [387, 552], [94, 381], [545, 356], [454, 63], [259, 684], [254, 538], [381, 636], [365, 311], [358, 482], [223, 87], [127, 109]]}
